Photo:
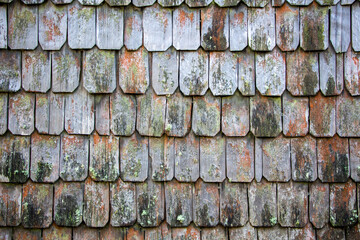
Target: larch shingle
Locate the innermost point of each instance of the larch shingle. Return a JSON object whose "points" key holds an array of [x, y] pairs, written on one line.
{"points": [[212, 159], [223, 73], [265, 116], [65, 69], [262, 204], [307, 232], [162, 154], [150, 203], [322, 116], [287, 27], [355, 158], [122, 113], [256, 3], [348, 115], [276, 232], [10, 204], [37, 201], [333, 159], [314, 28], [270, 72], [198, 3], [331, 66], [88, 233], [227, 3], [352, 72], [206, 204], [110, 232], [187, 157], [343, 204], [186, 28], [303, 159], [319, 194], [21, 113], [165, 69], [134, 75], [355, 26], [143, 3], [109, 27], [99, 71], [24, 233], [3, 112], [215, 28], [96, 203], [295, 115], [49, 113], [14, 158], [340, 27], [235, 115], [10, 71], [194, 72], [74, 157], [113, 3], [179, 203], [244, 232], [22, 26], [238, 28], [330, 233], [104, 158], [261, 28], [150, 114], [133, 31], [90, 2], [240, 159], [191, 232], [123, 203], [157, 26], [170, 3], [79, 112], [233, 204], [178, 115], [52, 26], [57, 232], [68, 203], [218, 233], [81, 27], [353, 232], [3, 27], [134, 160], [327, 2], [36, 70], [246, 72], [102, 114], [45, 158]]}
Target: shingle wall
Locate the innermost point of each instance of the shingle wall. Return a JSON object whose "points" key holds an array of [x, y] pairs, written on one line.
{"points": [[179, 119]]}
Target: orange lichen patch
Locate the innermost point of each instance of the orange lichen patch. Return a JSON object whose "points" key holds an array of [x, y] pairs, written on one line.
{"points": [[184, 17], [214, 37], [135, 233], [53, 28], [322, 116]]}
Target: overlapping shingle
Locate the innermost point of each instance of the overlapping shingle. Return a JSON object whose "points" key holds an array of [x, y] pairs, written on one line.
{"points": [[118, 2], [109, 27], [3, 27], [10, 202], [246, 72], [56, 232], [330, 233], [302, 233], [81, 27], [134, 158], [68, 203], [322, 116], [197, 3], [102, 114], [143, 3], [256, 3], [340, 27], [347, 117], [261, 28], [287, 27], [214, 28], [319, 204], [352, 72], [218, 232], [133, 31], [85, 232], [354, 145], [165, 71], [36, 70], [303, 159], [238, 27], [355, 24], [272, 233], [3, 112], [123, 203], [10, 71], [23, 233], [157, 25], [235, 115], [22, 26], [186, 28], [15, 158], [52, 26], [244, 232], [110, 232], [190, 232], [194, 72]]}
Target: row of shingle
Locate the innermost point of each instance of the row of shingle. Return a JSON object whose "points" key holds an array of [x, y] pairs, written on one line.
{"points": [[191, 3], [193, 72], [263, 204], [151, 115], [165, 232], [158, 28], [45, 158]]}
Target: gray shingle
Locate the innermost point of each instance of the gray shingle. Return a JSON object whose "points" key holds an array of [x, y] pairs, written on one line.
{"points": [[227, 3], [165, 69], [197, 3], [109, 27], [143, 3], [351, 72], [45, 156], [276, 232], [133, 31], [10, 202], [287, 27], [170, 3], [90, 2], [66, 66], [327, 2], [246, 72], [222, 73], [194, 72], [102, 114], [82, 25], [113, 3], [52, 26], [244, 232], [340, 27], [355, 158], [157, 25], [238, 28], [11, 71], [256, 3], [3, 112], [347, 115], [186, 28], [3, 27], [300, 2], [322, 116], [22, 26], [355, 26], [302, 233], [270, 72], [261, 28], [55, 231], [330, 233], [218, 232]]}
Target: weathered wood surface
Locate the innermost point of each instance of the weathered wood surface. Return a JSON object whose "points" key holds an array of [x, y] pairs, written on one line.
{"points": [[238, 28], [52, 26], [352, 72], [190, 232], [276, 232], [244, 232], [340, 27], [197, 3], [256, 3], [319, 204], [45, 156], [194, 72], [133, 32], [143, 3], [10, 204], [10, 71], [102, 114], [235, 115], [355, 26], [322, 116], [287, 27], [113, 3], [109, 27], [218, 232], [4, 27], [186, 28], [347, 115], [3, 112], [56, 232], [354, 144], [170, 3], [246, 72]]}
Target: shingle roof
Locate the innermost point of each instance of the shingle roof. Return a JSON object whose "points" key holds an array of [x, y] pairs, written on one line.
{"points": [[176, 119]]}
